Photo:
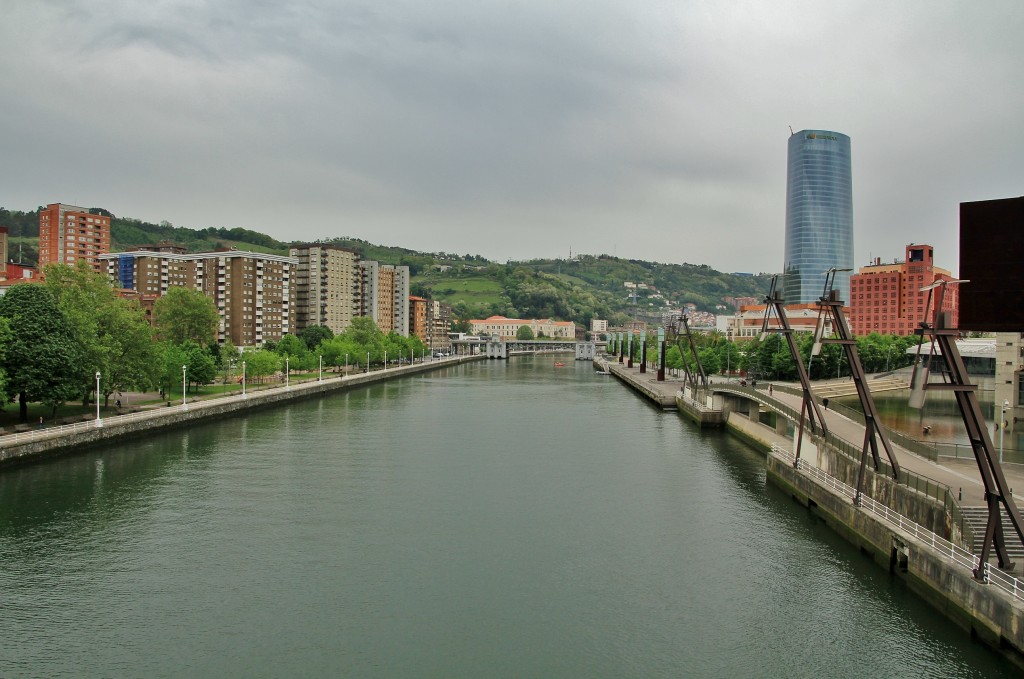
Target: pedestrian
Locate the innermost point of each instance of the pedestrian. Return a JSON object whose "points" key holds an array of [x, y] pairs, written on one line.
{"points": [[770, 391], [40, 422]]}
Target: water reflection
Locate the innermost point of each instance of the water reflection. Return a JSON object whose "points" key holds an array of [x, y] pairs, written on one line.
{"points": [[496, 519]]}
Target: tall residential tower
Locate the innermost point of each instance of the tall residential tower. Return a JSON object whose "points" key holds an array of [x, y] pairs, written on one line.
{"points": [[819, 215], [68, 233]]}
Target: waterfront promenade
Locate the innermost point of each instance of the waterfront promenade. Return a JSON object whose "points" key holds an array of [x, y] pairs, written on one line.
{"points": [[959, 474], [27, 446]]}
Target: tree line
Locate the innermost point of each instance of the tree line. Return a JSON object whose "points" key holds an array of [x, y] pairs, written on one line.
{"points": [[55, 337], [770, 358]]}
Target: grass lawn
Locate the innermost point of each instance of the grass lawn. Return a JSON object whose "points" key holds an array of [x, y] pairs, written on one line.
{"points": [[468, 290]]}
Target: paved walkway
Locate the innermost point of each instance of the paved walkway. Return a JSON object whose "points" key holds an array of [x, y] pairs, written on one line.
{"points": [[958, 474]]}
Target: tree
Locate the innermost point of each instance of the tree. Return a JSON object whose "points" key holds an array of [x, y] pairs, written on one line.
{"points": [[200, 365], [313, 335], [184, 315], [171, 358], [5, 338], [129, 350], [524, 332], [112, 334], [41, 358], [261, 363], [297, 352]]}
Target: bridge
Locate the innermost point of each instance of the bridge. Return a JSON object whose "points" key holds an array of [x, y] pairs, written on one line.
{"points": [[500, 348]]}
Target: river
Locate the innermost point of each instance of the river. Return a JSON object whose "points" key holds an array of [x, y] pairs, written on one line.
{"points": [[495, 519]]}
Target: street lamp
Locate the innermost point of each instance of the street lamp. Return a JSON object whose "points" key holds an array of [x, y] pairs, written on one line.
{"points": [[346, 366], [287, 372], [99, 422], [1002, 428], [385, 359], [887, 352], [184, 403], [243, 379], [320, 375], [367, 361]]}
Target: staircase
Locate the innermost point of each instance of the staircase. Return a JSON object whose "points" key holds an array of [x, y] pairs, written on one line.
{"points": [[977, 517], [838, 388]]}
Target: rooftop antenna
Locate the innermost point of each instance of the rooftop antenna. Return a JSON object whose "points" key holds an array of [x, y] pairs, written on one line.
{"points": [[791, 132]]}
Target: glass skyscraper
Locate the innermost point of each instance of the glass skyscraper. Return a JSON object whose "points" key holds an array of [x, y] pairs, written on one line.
{"points": [[819, 215]]}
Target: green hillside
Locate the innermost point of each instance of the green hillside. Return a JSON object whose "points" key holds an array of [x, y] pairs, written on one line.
{"points": [[580, 289]]}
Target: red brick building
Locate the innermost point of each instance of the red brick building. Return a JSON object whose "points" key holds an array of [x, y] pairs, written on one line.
{"points": [[418, 318], [887, 298], [68, 234]]}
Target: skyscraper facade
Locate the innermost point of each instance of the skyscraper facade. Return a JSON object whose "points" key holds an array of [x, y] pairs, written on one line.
{"points": [[819, 215]]}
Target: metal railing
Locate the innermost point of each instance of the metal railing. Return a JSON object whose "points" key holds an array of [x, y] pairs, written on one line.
{"points": [[913, 480], [693, 403], [1011, 585]]}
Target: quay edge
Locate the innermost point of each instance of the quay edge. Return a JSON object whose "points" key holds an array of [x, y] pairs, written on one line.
{"points": [[16, 450]]}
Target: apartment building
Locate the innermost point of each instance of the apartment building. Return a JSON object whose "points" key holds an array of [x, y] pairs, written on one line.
{"points": [[253, 292], [68, 233], [418, 318], [384, 295], [439, 325], [327, 282], [149, 272]]}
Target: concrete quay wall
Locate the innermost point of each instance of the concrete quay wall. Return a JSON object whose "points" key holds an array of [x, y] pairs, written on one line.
{"points": [[661, 394], [23, 448], [990, 615]]}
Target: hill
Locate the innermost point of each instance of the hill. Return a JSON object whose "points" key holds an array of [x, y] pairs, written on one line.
{"points": [[578, 289]]}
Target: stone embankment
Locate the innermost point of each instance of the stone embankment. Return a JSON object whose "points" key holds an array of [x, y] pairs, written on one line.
{"points": [[52, 441]]}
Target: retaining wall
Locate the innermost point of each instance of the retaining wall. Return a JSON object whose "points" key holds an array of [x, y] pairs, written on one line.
{"points": [[22, 448], [987, 613]]}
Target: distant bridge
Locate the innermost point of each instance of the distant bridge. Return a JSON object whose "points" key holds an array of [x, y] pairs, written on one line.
{"points": [[495, 348]]}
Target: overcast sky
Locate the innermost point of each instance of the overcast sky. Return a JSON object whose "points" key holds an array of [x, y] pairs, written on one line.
{"points": [[645, 129]]}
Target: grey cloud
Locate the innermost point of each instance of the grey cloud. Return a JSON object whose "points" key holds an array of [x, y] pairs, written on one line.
{"points": [[649, 130]]}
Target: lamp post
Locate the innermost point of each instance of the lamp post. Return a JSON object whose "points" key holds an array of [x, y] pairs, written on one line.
{"points": [[243, 379], [99, 422], [287, 372], [346, 366], [367, 361], [887, 352], [1002, 428], [320, 375], [184, 402], [385, 359]]}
